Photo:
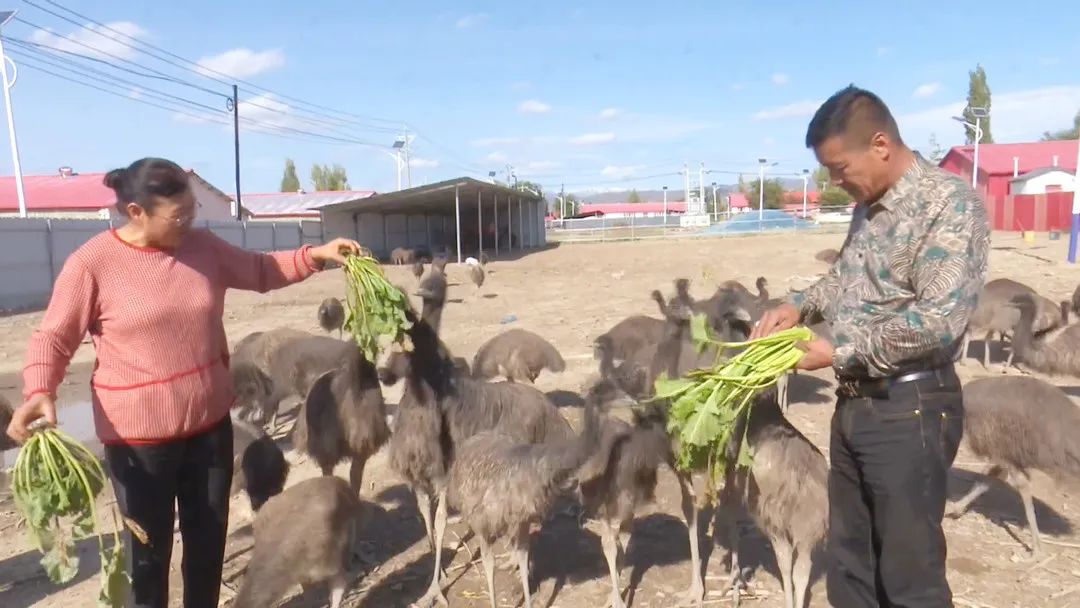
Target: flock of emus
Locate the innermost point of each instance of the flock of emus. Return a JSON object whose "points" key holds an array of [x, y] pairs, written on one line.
{"points": [[501, 456]]}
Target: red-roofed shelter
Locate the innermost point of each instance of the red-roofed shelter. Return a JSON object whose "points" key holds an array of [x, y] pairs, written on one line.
{"points": [[999, 164]]}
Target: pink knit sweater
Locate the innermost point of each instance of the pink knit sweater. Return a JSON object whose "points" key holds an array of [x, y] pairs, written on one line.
{"points": [[156, 321]]}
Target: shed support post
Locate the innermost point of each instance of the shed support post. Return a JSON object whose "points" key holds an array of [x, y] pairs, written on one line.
{"points": [[496, 207], [457, 219], [479, 223]]}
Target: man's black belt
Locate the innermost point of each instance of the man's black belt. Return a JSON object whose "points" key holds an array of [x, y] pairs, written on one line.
{"points": [[880, 387]]}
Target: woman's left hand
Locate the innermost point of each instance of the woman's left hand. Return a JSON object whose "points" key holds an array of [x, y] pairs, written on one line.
{"points": [[335, 251]]}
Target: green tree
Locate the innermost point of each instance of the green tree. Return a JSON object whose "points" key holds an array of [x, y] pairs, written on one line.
{"points": [[633, 197], [570, 205], [774, 194], [978, 97], [1073, 133], [327, 178], [290, 182], [742, 184], [831, 196], [934, 150]]}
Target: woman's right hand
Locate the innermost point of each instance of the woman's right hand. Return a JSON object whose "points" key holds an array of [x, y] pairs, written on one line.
{"points": [[40, 406]]}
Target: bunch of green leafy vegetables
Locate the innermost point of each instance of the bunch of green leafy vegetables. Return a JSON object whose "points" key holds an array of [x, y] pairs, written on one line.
{"points": [[57, 480], [375, 308], [707, 404]]}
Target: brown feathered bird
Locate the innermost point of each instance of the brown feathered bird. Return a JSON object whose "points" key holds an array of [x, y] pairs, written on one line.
{"points": [[476, 273], [331, 315]]}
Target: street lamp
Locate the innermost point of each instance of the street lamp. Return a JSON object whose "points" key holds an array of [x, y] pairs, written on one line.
{"points": [[715, 207], [5, 17], [805, 181], [665, 204], [979, 114], [762, 163], [401, 145]]}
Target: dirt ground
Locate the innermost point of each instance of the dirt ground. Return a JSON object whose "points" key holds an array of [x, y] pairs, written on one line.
{"points": [[570, 294]]}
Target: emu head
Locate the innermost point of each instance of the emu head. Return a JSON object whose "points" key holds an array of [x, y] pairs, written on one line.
{"points": [[439, 263], [762, 286], [252, 389], [603, 351], [681, 307]]}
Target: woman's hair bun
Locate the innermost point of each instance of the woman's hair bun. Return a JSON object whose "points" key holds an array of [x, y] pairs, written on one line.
{"points": [[116, 179]]}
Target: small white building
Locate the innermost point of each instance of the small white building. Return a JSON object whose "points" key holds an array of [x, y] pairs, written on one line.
{"points": [[1044, 180]]}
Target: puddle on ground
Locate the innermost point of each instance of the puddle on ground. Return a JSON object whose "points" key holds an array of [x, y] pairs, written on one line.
{"points": [[77, 420]]}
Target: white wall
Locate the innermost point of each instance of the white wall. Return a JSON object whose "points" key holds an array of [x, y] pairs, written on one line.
{"points": [[32, 251], [1038, 184]]}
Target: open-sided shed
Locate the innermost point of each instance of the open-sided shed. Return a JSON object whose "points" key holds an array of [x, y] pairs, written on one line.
{"points": [[463, 216]]}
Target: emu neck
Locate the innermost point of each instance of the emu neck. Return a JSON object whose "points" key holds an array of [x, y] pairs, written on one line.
{"points": [[1023, 339], [432, 313]]}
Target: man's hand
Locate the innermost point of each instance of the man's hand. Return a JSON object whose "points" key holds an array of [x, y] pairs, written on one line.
{"points": [[819, 354], [776, 319], [335, 251], [40, 406]]}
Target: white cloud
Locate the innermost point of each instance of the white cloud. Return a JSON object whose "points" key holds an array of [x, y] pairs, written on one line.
{"points": [[533, 106], [799, 109], [242, 63], [541, 165], [738, 86], [927, 90], [609, 113], [780, 79], [94, 40], [620, 171], [496, 157], [423, 163], [592, 139], [1017, 116], [471, 20], [484, 142]]}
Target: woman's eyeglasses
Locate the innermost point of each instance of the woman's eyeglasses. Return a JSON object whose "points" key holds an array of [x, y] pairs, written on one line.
{"points": [[182, 220]]}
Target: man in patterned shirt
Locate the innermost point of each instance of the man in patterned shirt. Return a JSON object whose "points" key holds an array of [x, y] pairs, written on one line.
{"points": [[898, 302]]}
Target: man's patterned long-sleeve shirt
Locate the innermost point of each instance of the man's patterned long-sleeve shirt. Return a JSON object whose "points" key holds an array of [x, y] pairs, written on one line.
{"points": [[908, 277]]}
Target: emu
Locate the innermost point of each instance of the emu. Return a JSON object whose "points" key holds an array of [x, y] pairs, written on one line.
{"points": [[331, 315], [1020, 424], [1055, 352], [995, 313], [829, 256], [476, 274], [442, 407], [402, 255], [518, 355], [344, 416], [500, 485], [249, 366], [304, 535], [418, 270], [259, 465], [632, 334], [6, 411]]}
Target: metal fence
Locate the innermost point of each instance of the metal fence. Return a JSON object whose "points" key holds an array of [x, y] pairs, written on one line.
{"points": [[32, 251], [607, 228]]}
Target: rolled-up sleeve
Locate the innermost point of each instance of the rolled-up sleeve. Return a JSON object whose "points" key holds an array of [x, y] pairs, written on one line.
{"points": [[948, 274]]}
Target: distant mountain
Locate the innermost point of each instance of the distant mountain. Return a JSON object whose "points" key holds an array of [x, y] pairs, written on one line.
{"points": [[674, 195]]}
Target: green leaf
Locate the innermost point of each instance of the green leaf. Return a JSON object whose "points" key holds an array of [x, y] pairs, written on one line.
{"points": [[670, 388], [699, 330], [114, 578], [61, 563]]}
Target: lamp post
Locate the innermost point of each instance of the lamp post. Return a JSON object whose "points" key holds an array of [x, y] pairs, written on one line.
{"points": [[715, 207], [979, 114], [665, 205], [5, 17], [762, 163], [401, 150], [805, 182]]}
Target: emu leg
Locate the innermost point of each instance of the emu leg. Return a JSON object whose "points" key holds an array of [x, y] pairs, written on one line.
{"points": [[488, 559], [981, 486], [521, 551], [337, 590], [783, 550], [800, 575], [356, 472], [434, 593], [782, 391], [961, 357], [423, 503], [695, 594], [610, 540], [1022, 483], [986, 349]]}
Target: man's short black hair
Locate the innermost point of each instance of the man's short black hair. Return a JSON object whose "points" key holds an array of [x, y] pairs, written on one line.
{"points": [[851, 112]]}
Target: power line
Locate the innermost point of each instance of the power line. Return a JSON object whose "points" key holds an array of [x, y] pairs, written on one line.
{"points": [[203, 70]]}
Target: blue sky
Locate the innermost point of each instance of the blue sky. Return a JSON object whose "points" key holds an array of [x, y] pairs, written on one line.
{"points": [[611, 95]]}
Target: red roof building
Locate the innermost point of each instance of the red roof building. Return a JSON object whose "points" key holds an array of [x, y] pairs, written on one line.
{"points": [[631, 209], [999, 164], [738, 200], [84, 196]]}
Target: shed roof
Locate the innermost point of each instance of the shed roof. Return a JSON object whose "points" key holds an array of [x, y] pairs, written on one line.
{"points": [[299, 203], [73, 192], [997, 159], [433, 197], [1041, 171]]}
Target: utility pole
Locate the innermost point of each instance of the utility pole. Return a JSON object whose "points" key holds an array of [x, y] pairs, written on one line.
{"points": [[408, 164], [235, 102], [5, 17], [701, 186]]}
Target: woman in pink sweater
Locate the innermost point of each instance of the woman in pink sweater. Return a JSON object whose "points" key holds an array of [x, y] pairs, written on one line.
{"points": [[151, 294]]}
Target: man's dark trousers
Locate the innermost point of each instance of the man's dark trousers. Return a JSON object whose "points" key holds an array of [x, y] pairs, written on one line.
{"points": [[890, 453]]}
